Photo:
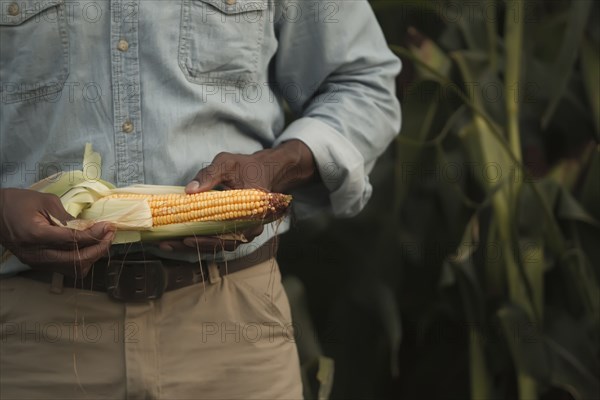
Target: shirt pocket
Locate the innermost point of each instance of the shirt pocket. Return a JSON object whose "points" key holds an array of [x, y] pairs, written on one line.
{"points": [[34, 49], [220, 40]]}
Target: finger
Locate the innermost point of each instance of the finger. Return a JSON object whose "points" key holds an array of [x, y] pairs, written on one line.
{"points": [[173, 245], [61, 237], [70, 262], [98, 232], [205, 179], [251, 233], [55, 208]]}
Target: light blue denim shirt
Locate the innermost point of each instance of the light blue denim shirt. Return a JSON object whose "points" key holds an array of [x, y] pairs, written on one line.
{"points": [[160, 87]]}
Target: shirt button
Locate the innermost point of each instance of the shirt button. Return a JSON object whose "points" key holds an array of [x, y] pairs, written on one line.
{"points": [[230, 2], [123, 45], [127, 127], [13, 9]]}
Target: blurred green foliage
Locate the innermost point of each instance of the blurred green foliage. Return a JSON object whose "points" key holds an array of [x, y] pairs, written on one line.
{"points": [[474, 271]]}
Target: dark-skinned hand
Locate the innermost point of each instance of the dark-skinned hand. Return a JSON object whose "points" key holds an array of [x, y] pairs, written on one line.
{"points": [[28, 232], [279, 169]]}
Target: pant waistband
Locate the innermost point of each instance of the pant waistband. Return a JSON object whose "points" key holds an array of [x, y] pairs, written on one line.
{"points": [[138, 279]]}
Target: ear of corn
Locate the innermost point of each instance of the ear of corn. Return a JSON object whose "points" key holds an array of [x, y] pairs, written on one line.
{"points": [[241, 204], [138, 214], [152, 212], [167, 215]]}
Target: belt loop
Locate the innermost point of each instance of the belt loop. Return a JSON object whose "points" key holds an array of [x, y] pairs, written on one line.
{"points": [[214, 275], [57, 284]]}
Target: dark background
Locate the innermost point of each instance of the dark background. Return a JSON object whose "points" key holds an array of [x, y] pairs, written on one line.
{"points": [[473, 271]]}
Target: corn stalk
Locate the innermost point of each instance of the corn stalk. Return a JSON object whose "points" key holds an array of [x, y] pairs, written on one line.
{"points": [[489, 141]]}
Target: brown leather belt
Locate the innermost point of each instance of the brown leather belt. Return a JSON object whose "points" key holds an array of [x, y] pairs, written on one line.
{"points": [[137, 279]]}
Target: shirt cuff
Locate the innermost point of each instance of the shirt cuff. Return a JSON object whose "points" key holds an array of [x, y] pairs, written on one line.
{"points": [[340, 164]]}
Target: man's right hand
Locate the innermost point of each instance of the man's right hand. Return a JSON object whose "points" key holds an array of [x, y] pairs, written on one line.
{"points": [[28, 232]]}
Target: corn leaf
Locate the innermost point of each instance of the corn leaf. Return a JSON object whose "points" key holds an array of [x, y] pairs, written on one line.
{"points": [[149, 189], [492, 28], [473, 24], [430, 54], [532, 258], [122, 237], [127, 214], [473, 300], [590, 63], [573, 344], [590, 192], [579, 13], [514, 50], [525, 342]]}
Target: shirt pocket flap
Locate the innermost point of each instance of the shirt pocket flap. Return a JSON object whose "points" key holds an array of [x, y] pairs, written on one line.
{"points": [[237, 6], [17, 12]]}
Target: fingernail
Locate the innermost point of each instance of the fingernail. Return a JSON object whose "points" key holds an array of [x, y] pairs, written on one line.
{"points": [[108, 228], [192, 186]]}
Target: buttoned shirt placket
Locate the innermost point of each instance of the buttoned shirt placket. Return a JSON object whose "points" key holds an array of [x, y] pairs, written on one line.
{"points": [[126, 89]]}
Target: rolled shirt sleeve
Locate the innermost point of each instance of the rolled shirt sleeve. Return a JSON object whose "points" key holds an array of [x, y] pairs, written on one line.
{"points": [[337, 75]]}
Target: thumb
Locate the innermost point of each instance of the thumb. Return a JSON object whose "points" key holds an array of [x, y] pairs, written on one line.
{"points": [[206, 179], [55, 209]]}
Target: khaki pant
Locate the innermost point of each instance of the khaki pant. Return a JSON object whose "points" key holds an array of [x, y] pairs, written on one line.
{"points": [[230, 338]]}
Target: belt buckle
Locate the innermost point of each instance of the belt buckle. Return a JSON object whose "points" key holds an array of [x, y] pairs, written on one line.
{"points": [[135, 281]]}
